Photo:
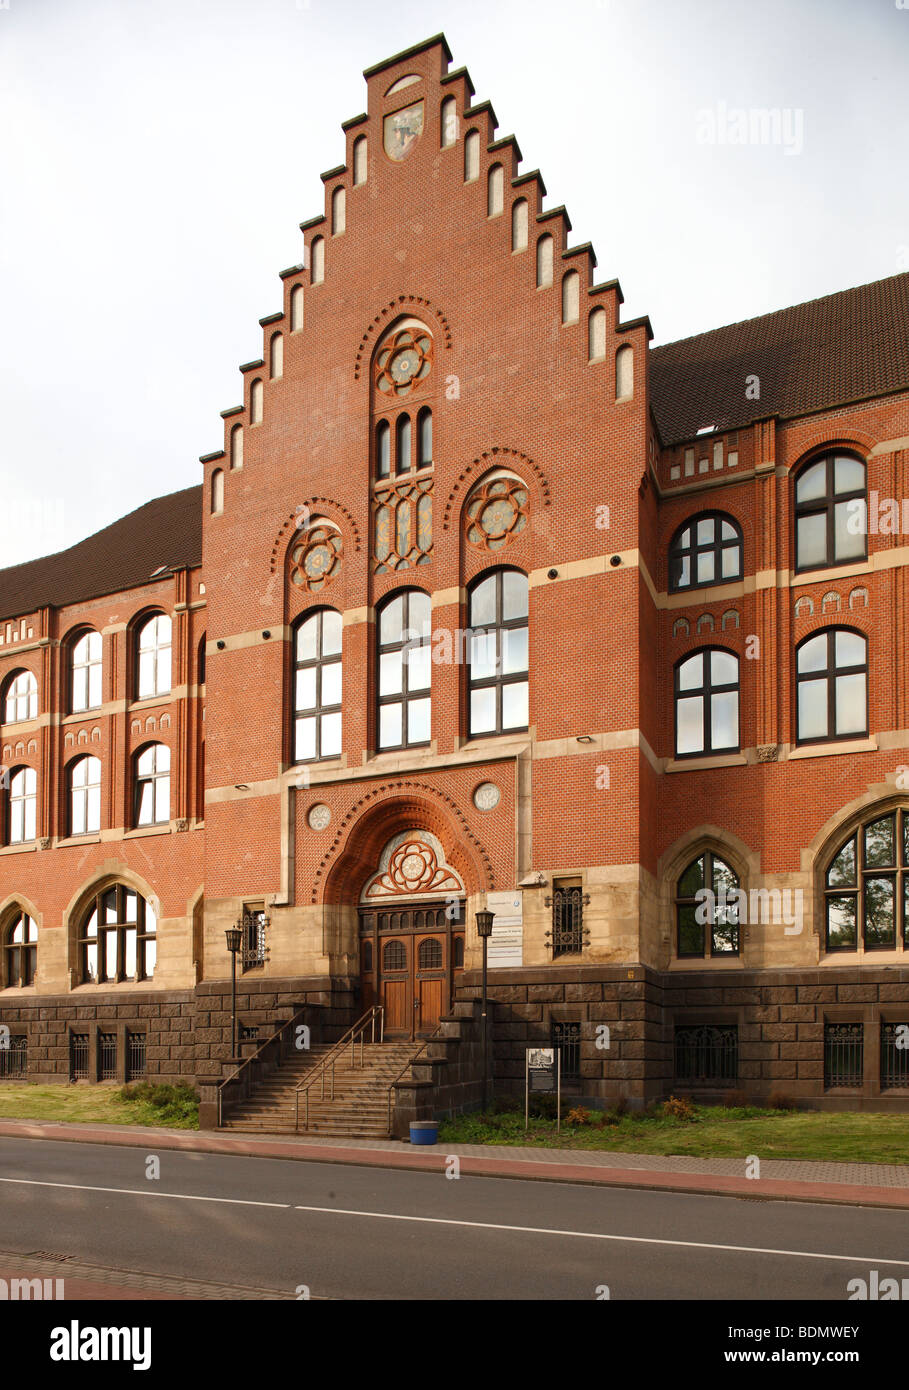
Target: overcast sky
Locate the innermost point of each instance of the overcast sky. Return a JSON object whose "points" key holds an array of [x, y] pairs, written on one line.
{"points": [[157, 156]]}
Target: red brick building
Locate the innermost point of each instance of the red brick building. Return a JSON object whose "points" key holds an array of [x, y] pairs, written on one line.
{"points": [[483, 601]]}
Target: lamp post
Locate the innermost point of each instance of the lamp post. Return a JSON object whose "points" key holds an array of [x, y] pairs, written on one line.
{"points": [[484, 931], [234, 936]]}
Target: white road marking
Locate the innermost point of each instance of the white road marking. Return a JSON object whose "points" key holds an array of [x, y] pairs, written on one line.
{"points": [[597, 1235], [474, 1225], [145, 1192]]}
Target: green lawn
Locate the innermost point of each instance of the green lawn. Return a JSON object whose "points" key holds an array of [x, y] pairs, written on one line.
{"points": [[842, 1136], [105, 1104]]}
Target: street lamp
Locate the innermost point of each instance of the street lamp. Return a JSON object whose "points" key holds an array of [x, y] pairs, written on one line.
{"points": [[234, 936], [484, 931]]}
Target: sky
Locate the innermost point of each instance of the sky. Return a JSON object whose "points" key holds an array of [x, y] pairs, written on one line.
{"points": [[157, 157]]}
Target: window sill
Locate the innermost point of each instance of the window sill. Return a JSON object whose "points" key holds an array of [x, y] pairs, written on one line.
{"points": [[93, 839], [19, 847], [833, 749], [698, 764], [140, 831]]}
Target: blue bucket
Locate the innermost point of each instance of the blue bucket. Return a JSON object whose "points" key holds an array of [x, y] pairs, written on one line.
{"points": [[424, 1131]]}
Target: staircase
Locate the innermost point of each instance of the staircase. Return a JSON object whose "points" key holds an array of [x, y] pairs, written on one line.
{"points": [[359, 1109]]}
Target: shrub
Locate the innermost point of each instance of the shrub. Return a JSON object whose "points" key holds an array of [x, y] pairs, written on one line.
{"points": [[779, 1101], [680, 1108], [578, 1115]]}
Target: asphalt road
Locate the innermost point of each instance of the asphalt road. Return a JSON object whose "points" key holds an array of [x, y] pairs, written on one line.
{"points": [[371, 1233]]}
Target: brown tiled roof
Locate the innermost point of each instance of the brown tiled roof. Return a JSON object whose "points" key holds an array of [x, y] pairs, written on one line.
{"points": [[845, 347], [167, 531]]}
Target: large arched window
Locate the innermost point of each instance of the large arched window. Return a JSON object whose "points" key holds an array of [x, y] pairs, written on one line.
{"points": [[153, 651], [498, 655], [117, 937], [706, 550], [85, 673], [317, 687], [706, 703], [20, 941], [84, 779], [830, 513], [21, 701], [22, 806], [707, 920], [831, 683], [152, 785], [866, 886], [405, 625]]}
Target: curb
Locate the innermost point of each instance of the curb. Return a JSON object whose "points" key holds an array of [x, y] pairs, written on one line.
{"points": [[704, 1185]]}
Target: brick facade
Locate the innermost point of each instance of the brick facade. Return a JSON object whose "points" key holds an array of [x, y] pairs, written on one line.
{"points": [[533, 378]]}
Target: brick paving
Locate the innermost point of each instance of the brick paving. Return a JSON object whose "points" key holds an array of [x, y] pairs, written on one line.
{"points": [[874, 1184], [94, 1282]]}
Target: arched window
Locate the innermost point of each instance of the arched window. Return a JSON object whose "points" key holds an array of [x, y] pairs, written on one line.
{"points": [[296, 309], [338, 211], [256, 398], [217, 492], [866, 886], [495, 193], [571, 297], [236, 447], [706, 549], [830, 513], [544, 262], [276, 356], [394, 956], [360, 165], [383, 449], [22, 806], [831, 683], [429, 954], [84, 778], [519, 225], [424, 438], [405, 624], [498, 655], [21, 698], [318, 687], [457, 953], [200, 661], [449, 123], [403, 434], [152, 785], [596, 335], [706, 897], [471, 156], [153, 649], [117, 937], [707, 703], [624, 373], [21, 951], [85, 672], [318, 260]]}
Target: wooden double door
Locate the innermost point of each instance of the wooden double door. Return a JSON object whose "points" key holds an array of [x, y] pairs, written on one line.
{"points": [[409, 958]]}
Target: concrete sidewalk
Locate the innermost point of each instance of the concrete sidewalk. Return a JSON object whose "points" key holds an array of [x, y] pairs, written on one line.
{"points": [[853, 1184]]}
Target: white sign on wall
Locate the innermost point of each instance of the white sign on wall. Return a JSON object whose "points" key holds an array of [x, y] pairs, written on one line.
{"points": [[506, 944]]}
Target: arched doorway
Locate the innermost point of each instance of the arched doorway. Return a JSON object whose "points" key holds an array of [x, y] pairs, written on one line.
{"points": [[411, 920]]}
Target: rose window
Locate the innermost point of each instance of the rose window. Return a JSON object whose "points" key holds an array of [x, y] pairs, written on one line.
{"points": [[316, 559], [403, 361], [496, 513]]}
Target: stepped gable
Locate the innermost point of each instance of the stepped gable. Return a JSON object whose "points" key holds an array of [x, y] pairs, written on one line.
{"points": [[845, 347], [164, 532]]}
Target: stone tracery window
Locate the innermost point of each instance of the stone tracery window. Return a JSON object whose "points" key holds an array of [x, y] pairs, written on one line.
{"points": [[316, 558], [866, 886], [496, 511]]}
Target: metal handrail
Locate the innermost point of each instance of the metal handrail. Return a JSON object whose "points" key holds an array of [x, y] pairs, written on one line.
{"points": [[357, 1030], [409, 1063], [234, 1076]]}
